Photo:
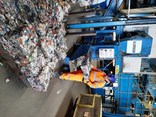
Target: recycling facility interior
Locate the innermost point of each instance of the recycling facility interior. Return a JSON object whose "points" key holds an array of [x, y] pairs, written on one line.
{"points": [[58, 97]]}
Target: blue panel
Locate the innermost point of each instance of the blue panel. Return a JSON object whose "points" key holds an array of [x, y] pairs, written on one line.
{"points": [[82, 50], [66, 60], [139, 108], [146, 43], [99, 91], [124, 92], [146, 46], [118, 58]]}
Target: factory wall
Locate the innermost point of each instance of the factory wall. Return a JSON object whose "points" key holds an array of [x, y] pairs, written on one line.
{"points": [[152, 33]]}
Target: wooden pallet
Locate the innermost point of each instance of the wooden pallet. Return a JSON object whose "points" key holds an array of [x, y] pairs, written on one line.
{"points": [[88, 105]]}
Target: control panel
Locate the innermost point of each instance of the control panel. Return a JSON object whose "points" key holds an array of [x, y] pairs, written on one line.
{"points": [[106, 53]]}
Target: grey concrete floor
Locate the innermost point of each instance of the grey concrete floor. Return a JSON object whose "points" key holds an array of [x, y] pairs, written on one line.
{"points": [[18, 101]]}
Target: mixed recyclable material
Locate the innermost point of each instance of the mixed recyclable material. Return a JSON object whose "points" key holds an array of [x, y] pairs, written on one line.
{"points": [[32, 32], [84, 3], [84, 64]]}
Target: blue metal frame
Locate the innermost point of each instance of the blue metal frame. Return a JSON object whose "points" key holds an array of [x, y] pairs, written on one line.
{"points": [[112, 23], [122, 93], [95, 18], [111, 8]]}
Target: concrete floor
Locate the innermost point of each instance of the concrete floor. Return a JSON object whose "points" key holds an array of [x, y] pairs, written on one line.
{"points": [[18, 101]]}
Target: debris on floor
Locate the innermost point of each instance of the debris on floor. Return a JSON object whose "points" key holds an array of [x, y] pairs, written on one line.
{"points": [[1, 64], [7, 80]]}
